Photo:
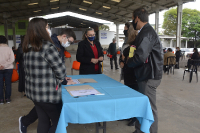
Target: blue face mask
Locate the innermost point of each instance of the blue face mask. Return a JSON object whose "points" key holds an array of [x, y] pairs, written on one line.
{"points": [[91, 38]]}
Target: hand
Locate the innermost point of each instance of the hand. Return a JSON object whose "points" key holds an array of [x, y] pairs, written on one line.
{"points": [[123, 57], [1, 67], [121, 65], [68, 78], [95, 61], [70, 82], [101, 58]]}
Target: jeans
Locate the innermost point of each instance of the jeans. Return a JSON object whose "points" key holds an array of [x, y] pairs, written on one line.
{"points": [[7, 75]]}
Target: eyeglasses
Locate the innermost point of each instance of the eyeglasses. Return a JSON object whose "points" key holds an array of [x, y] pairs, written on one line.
{"points": [[91, 35], [69, 40]]}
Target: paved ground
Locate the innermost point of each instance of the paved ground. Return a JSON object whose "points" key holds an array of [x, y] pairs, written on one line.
{"points": [[178, 106]]}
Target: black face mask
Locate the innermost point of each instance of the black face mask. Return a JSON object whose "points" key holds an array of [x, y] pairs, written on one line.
{"points": [[126, 33], [134, 24]]}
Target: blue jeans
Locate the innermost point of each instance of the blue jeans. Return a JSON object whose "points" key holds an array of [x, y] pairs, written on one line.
{"points": [[7, 75]]}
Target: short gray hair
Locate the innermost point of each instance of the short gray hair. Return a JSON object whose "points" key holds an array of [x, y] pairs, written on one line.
{"points": [[114, 39]]}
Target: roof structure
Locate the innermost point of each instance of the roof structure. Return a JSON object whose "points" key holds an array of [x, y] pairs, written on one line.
{"points": [[117, 11]]}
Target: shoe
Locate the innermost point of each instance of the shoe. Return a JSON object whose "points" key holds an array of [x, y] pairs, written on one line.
{"points": [[1, 101], [8, 100], [22, 128], [116, 68]]}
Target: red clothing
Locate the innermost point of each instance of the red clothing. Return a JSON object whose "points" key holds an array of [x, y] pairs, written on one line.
{"points": [[94, 49]]}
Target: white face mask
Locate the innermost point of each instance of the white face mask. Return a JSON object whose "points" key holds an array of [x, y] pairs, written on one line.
{"points": [[49, 31], [67, 44]]}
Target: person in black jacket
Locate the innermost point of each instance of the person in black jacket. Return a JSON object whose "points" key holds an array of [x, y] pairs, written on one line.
{"points": [[89, 54], [112, 50], [20, 60], [178, 55], [195, 56], [147, 62]]}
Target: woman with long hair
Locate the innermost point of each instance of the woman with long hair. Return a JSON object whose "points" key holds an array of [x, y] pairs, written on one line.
{"points": [[89, 53], [194, 56], [44, 74]]}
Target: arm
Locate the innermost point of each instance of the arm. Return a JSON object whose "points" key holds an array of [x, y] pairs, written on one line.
{"points": [[10, 60], [80, 55], [141, 53], [53, 58]]}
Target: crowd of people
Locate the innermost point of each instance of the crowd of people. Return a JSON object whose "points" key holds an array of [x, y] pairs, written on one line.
{"points": [[42, 68]]}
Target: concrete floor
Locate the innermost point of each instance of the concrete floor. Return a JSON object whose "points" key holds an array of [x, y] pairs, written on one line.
{"points": [[178, 106]]}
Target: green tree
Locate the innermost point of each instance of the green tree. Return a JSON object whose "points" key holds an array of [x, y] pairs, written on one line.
{"points": [[190, 23], [104, 27]]}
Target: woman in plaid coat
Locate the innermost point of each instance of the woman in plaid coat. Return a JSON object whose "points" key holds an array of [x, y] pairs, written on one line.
{"points": [[44, 74]]}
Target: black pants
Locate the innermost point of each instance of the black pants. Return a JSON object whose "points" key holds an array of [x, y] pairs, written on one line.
{"points": [[47, 112], [114, 57], [189, 63]]}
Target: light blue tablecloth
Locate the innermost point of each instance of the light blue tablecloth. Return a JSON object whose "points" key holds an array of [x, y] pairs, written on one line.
{"points": [[119, 102]]}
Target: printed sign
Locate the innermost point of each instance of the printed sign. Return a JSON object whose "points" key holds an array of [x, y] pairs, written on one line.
{"points": [[103, 35]]}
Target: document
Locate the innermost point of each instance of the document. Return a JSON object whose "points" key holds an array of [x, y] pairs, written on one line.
{"points": [[81, 90], [81, 81]]}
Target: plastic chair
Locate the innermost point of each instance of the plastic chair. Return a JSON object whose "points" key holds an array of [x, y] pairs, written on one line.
{"points": [[171, 62], [118, 52], [15, 76], [195, 65], [104, 53], [75, 66], [67, 55]]}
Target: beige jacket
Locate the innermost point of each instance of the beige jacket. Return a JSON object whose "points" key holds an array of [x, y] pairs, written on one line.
{"points": [[6, 56], [168, 54]]}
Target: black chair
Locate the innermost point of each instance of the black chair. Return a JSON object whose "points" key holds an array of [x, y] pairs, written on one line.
{"points": [[171, 62], [195, 65]]}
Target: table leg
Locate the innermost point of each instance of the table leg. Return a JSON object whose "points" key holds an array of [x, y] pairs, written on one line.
{"points": [[98, 126]]}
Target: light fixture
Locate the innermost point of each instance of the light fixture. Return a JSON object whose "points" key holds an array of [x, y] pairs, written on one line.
{"points": [[106, 7], [53, 0], [37, 11], [83, 9], [30, 4], [116, 0], [99, 13], [55, 8], [88, 2]]}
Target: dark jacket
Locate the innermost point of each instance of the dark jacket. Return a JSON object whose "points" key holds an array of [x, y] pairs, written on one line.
{"points": [[112, 49], [59, 46], [85, 54], [129, 75], [148, 46], [195, 55], [20, 60], [178, 55]]}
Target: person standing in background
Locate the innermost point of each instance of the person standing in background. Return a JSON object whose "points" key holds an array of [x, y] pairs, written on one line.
{"points": [[89, 53], [113, 51], [6, 69]]}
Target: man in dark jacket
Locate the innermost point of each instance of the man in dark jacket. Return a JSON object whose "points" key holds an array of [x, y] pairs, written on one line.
{"points": [[112, 50], [147, 61], [63, 40]]}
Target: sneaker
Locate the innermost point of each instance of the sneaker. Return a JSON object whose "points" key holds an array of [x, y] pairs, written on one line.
{"points": [[22, 128], [1, 102], [8, 100]]}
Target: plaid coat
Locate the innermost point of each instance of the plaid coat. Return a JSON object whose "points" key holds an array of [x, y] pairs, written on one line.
{"points": [[43, 72]]}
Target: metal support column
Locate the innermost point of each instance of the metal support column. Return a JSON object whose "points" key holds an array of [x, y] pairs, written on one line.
{"points": [[179, 23], [14, 34], [186, 44], [117, 34], [157, 21], [6, 28]]}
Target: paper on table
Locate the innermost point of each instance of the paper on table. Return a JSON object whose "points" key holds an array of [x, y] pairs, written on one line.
{"points": [[87, 81], [76, 81], [84, 92], [82, 87]]}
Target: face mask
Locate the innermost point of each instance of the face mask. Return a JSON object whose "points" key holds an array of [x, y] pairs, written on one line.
{"points": [[67, 44], [91, 38], [125, 33], [49, 31], [134, 24]]}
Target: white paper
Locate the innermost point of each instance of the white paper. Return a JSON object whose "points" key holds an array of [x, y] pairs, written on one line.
{"points": [[76, 81], [84, 92]]}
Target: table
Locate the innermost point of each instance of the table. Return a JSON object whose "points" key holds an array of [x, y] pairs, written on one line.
{"points": [[114, 105]]}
